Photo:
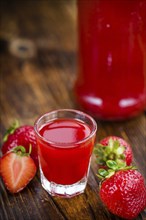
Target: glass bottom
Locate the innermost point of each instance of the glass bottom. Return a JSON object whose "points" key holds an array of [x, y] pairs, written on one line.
{"points": [[65, 191]]}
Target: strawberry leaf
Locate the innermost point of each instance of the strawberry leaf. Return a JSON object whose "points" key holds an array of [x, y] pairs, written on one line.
{"points": [[21, 151], [99, 161], [110, 173], [121, 164], [99, 176], [11, 130], [120, 150], [113, 151], [112, 164], [103, 172]]}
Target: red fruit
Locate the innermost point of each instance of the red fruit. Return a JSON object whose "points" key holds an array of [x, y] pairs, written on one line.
{"points": [[124, 193], [24, 136], [17, 169], [113, 148]]}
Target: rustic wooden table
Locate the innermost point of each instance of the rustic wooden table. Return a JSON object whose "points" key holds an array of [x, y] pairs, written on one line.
{"points": [[38, 48]]}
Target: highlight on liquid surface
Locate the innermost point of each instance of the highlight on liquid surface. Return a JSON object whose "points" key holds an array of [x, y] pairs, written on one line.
{"points": [[65, 131]]}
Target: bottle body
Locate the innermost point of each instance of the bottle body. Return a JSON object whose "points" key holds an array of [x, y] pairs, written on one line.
{"points": [[112, 56]]}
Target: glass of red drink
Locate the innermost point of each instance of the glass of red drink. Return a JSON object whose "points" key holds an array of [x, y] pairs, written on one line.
{"points": [[65, 142]]}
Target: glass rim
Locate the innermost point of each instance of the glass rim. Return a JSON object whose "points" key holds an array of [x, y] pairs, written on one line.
{"points": [[53, 143]]}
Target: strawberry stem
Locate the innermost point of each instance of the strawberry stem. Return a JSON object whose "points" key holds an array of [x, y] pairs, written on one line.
{"points": [[30, 149]]}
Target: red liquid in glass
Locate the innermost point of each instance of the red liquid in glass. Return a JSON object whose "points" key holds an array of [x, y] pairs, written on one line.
{"points": [[65, 162], [112, 57]]}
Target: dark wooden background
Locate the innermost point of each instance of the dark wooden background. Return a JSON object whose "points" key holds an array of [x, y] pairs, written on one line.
{"points": [[38, 76]]}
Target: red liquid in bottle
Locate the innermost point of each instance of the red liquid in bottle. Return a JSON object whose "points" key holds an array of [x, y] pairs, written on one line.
{"points": [[63, 160], [112, 57]]}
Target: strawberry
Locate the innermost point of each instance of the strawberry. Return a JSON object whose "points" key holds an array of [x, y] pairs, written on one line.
{"points": [[24, 136], [113, 148], [122, 190], [17, 169]]}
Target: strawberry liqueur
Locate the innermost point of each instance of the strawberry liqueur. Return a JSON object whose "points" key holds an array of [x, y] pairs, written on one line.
{"points": [[112, 55], [65, 146], [66, 164]]}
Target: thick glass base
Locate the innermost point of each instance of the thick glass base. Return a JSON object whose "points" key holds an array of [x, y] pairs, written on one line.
{"points": [[66, 191]]}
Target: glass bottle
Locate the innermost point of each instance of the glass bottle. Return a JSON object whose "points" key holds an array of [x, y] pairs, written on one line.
{"points": [[112, 58]]}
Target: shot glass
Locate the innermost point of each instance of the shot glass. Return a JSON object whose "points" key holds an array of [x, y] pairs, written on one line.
{"points": [[65, 140]]}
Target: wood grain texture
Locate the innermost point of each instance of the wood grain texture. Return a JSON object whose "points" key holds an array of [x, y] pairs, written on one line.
{"points": [[33, 85]]}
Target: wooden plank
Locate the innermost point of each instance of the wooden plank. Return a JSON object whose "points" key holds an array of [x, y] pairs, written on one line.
{"points": [[32, 86]]}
